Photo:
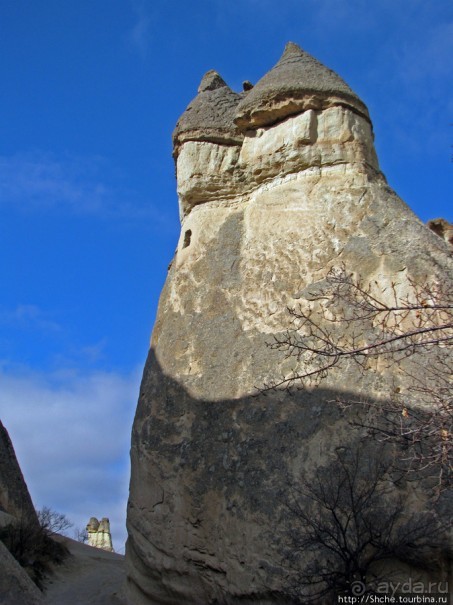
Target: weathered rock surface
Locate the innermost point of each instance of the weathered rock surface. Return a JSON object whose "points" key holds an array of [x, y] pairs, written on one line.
{"points": [[298, 82], [99, 535], [442, 228], [209, 117], [16, 588], [16, 509], [14, 495], [264, 217]]}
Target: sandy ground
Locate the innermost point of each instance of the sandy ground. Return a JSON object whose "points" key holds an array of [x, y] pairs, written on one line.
{"points": [[89, 576]]}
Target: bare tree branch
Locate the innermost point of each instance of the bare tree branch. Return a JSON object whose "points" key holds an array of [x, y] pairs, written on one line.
{"points": [[52, 522], [344, 521], [376, 327]]}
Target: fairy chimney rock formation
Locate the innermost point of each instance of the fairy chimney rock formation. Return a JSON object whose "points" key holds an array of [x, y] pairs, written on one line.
{"points": [[300, 115], [99, 535], [276, 185]]}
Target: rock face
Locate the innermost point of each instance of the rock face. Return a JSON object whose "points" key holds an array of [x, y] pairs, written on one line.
{"points": [[99, 534], [14, 495], [442, 228], [276, 185], [15, 585], [16, 508]]}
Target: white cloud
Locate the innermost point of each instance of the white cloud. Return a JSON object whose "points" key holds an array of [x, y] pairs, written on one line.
{"points": [[139, 36], [71, 433], [43, 179], [38, 180], [28, 317]]}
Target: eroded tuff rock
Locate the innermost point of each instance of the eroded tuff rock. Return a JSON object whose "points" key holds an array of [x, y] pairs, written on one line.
{"points": [[297, 82], [99, 535], [209, 117], [265, 214], [14, 495], [16, 588], [442, 228], [16, 510]]}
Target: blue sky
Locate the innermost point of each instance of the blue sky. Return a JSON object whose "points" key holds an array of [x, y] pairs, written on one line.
{"points": [[91, 91]]}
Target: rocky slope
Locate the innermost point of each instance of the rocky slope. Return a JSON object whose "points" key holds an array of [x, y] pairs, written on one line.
{"points": [[276, 185], [89, 576]]}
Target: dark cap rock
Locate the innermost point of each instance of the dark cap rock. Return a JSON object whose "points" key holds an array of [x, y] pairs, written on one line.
{"points": [[297, 82], [211, 81], [209, 117]]}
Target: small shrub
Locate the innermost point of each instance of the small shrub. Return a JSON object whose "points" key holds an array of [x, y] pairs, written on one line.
{"points": [[33, 548], [52, 522]]}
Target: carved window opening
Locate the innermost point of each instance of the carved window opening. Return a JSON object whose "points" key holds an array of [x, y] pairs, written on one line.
{"points": [[187, 238]]}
